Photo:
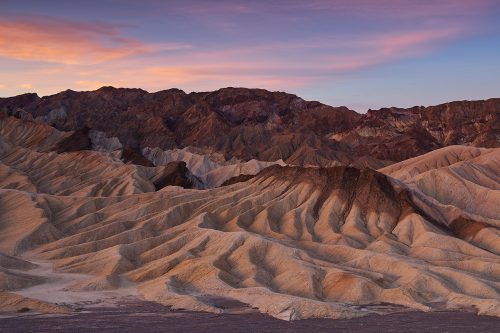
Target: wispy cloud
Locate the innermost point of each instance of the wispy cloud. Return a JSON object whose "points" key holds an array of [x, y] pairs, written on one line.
{"points": [[330, 56], [279, 45], [255, 65], [38, 38], [386, 48]]}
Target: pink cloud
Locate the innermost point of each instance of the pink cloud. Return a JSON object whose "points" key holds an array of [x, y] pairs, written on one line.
{"points": [[386, 48], [337, 55], [197, 70], [273, 64], [253, 66], [36, 38]]}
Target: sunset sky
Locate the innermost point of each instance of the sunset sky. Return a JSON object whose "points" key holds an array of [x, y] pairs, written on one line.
{"points": [[359, 53]]}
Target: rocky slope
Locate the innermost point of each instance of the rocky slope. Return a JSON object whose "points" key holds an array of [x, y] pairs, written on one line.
{"points": [[398, 134], [210, 170], [31, 160], [464, 182], [292, 242], [258, 124]]}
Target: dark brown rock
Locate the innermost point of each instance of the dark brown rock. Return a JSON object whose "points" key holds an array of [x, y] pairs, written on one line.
{"points": [[256, 123], [173, 174]]}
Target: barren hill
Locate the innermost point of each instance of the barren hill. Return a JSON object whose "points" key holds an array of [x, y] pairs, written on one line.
{"points": [[292, 242], [258, 124]]}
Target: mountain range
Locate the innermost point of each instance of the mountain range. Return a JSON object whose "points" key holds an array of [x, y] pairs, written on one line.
{"points": [[258, 124]]}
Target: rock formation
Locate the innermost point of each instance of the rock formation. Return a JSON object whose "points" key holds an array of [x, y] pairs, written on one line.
{"points": [[267, 126], [292, 242]]}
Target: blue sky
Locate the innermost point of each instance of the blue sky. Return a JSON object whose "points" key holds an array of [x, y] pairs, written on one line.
{"points": [[362, 54]]}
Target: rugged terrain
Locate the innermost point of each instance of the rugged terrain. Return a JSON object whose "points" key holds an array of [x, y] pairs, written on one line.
{"points": [[257, 124], [80, 222], [292, 242]]}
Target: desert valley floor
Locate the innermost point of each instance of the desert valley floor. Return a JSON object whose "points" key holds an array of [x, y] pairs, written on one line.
{"points": [[145, 317], [194, 234]]}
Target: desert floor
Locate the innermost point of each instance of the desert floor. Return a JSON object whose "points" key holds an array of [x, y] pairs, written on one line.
{"points": [[147, 317]]}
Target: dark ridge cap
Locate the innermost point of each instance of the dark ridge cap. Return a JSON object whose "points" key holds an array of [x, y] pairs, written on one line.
{"points": [[351, 182], [309, 103], [493, 99], [106, 88], [34, 95], [240, 88], [111, 88], [171, 90], [250, 90], [61, 93], [420, 107], [390, 109], [291, 172], [102, 89], [237, 179]]}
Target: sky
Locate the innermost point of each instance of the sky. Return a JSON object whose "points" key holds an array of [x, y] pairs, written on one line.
{"points": [[358, 53]]}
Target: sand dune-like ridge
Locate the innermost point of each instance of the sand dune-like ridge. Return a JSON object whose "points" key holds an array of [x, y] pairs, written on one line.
{"points": [[32, 135], [292, 242], [25, 167], [462, 181], [277, 239]]}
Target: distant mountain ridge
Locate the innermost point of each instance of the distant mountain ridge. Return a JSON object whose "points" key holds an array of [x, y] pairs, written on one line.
{"points": [[259, 124]]}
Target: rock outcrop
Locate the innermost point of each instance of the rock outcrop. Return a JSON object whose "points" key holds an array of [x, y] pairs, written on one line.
{"points": [[268, 126], [292, 242], [77, 220]]}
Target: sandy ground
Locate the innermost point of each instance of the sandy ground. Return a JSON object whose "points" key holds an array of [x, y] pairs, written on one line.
{"points": [[57, 289], [137, 316]]}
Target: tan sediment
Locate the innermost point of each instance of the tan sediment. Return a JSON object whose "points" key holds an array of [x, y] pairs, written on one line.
{"points": [[292, 242]]}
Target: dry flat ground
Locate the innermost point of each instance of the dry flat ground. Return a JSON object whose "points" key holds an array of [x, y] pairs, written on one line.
{"points": [[145, 317]]}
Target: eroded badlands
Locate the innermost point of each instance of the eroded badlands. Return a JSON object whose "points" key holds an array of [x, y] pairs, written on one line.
{"points": [[292, 242]]}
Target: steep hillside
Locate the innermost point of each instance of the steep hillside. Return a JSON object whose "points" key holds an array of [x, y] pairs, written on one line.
{"points": [[268, 126], [292, 242]]}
